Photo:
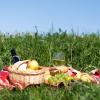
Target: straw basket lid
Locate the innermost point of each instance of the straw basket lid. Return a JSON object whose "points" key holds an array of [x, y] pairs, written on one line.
{"points": [[17, 64], [14, 69], [27, 72]]}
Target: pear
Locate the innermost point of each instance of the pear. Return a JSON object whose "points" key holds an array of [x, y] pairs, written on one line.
{"points": [[33, 65]]}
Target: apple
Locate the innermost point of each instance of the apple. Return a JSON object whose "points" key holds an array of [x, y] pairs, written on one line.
{"points": [[33, 65]]}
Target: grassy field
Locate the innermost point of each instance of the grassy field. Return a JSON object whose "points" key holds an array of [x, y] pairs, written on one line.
{"points": [[81, 52], [77, 92]]}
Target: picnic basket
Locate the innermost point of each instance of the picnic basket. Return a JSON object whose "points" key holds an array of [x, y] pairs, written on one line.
{"points": [[26, 78]]}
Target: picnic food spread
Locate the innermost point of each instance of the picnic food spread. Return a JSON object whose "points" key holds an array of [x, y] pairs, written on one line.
{"points": [[29, 72]]}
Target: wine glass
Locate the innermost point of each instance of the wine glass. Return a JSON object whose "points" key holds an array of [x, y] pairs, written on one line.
{"points": [[58, 59]]}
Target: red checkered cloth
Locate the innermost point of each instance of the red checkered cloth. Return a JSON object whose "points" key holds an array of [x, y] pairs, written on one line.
{"points": [[72, 72], [4, 80], [96, 75]]}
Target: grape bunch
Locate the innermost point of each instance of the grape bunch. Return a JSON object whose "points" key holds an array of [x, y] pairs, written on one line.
{"points": [[60, 78]]}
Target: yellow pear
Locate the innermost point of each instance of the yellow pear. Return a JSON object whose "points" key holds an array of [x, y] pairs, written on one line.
{"points": [[33, 65]]}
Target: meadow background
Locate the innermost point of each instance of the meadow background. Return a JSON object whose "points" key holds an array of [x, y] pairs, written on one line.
{"points": [[82, 52]]}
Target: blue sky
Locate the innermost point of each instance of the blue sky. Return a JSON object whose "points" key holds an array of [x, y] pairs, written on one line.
{"points": [[24, 15]]}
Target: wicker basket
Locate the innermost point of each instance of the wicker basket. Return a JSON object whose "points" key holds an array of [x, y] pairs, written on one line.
{"points": [[26, 78]]}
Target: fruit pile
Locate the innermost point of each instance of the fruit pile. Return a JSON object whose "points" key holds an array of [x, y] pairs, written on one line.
{"points": [[60, 78], [62, 74], [57, 75]]}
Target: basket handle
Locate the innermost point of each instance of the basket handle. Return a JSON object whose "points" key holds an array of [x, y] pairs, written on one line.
{"points": [[17, 64]]}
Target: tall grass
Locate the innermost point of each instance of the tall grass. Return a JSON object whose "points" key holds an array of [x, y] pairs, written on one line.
{"points": [[80, 51]]}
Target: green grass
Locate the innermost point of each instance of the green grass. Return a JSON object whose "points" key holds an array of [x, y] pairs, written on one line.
{"points": [[82, 53], [79, 91]]}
